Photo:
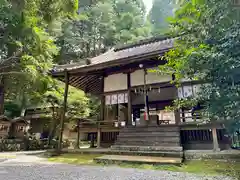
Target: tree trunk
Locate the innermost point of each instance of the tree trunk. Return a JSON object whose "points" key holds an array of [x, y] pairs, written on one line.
{"points": [[1, 95]]}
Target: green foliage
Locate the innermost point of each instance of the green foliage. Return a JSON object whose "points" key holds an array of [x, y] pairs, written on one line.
{"points": [[101, 25], [27, 49], [12, 110], [207, 50], [161, 10], [94, 107], [78, 102]]}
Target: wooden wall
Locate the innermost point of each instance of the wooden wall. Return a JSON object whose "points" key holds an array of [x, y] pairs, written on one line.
{"points": [[201, 139], [4, 128]]}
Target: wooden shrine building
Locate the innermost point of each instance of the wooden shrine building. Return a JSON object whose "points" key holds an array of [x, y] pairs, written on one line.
{"points": [[12, 128], [123, 80]]}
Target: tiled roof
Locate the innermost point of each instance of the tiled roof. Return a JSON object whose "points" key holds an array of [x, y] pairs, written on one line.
{"points": [[142, 48]]}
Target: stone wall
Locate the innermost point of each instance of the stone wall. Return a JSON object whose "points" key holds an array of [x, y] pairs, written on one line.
{"points": [[209, 155]]}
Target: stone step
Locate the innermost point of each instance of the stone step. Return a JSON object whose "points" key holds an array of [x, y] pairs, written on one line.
{"points": [[139, 143], [149, 139], [138, 159], [147, 148], [158, 126], [149, 134], [150, 129], [147, 153]]}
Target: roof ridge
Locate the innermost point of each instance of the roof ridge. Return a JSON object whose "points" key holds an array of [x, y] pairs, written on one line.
{"points": [[142, 42]]}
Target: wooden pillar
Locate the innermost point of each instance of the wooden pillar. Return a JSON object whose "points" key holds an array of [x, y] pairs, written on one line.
{"points": [[64, 110], [215, 139], [177, 117], [102, 100], [78, 134], [101, 114], [129, 120], [101, 120], [146, 105]]}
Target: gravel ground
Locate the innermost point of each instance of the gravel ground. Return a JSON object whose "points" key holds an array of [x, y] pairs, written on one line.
{"points": [[32, 168]]}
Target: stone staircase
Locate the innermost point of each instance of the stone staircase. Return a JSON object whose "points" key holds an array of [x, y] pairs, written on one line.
{"points": [[151, 144], [161, 141]]}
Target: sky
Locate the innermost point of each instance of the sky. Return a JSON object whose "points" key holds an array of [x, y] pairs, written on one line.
{"points": [[148, 4]]}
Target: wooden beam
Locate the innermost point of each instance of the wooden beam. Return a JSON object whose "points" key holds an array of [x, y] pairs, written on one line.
{"points": [[85, 80], [94, 81], [64, 110], [94, 88], [74, 81], [80, 81]]}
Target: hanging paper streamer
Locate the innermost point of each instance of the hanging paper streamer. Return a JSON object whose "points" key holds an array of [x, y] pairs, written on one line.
{"points": [[108, 100], [121, 98], [114, 99]]}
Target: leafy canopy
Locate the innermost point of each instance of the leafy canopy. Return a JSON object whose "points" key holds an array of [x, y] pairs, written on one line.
{"points": [[27, 46], [99, 26], [207, 50]]}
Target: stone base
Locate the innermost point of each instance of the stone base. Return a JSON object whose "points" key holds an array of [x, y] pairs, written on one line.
{"points": [[138, 159]]}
